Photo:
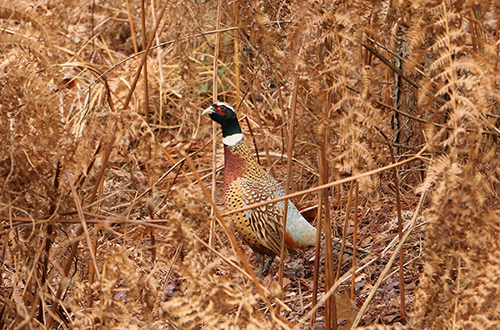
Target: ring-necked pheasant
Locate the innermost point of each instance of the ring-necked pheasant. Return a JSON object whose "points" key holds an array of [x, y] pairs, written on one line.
{"points": [[245, 183]]}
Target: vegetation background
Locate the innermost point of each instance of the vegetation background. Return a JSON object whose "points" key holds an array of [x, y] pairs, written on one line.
{"points": [[104, 155]]}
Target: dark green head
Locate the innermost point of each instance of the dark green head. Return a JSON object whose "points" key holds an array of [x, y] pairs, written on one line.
{"points": [[225, 115]]}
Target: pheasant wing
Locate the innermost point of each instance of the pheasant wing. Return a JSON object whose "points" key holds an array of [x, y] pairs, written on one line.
{"points": [[266, 221]]}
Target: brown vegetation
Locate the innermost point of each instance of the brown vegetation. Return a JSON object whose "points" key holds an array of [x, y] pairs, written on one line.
{"points": [[104, 220]]}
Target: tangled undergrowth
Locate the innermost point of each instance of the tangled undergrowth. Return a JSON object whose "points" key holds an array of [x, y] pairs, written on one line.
{"points": [[104, 220]]}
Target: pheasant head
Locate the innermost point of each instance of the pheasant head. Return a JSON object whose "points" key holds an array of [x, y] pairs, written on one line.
{"points": [[225, 115]]}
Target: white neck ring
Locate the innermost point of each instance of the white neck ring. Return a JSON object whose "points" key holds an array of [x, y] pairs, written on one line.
{"points": [[232, 140]]}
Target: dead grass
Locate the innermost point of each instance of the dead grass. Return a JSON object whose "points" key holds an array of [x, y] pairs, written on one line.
{"points": [[105, 226]]}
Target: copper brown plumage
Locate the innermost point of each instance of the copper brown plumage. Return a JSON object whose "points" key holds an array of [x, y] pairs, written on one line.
{"points": [[245, 183]]}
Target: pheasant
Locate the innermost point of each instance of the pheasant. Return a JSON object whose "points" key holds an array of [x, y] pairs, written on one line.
{"points": [[245, 183]]}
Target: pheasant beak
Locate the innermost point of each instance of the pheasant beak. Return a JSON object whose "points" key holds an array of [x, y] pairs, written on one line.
{"points": [[208, 110]]}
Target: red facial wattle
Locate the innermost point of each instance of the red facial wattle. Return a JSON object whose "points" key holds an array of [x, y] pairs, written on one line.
{"points": [[221, 110]]}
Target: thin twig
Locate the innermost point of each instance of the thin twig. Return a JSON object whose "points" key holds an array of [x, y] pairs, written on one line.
{"points": [[390, 65], [214, 127], [78, 205], [291, 133], [157, 46], [400, 229], [330, 277], [355, 238], [389, 263], [417, 156]]}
